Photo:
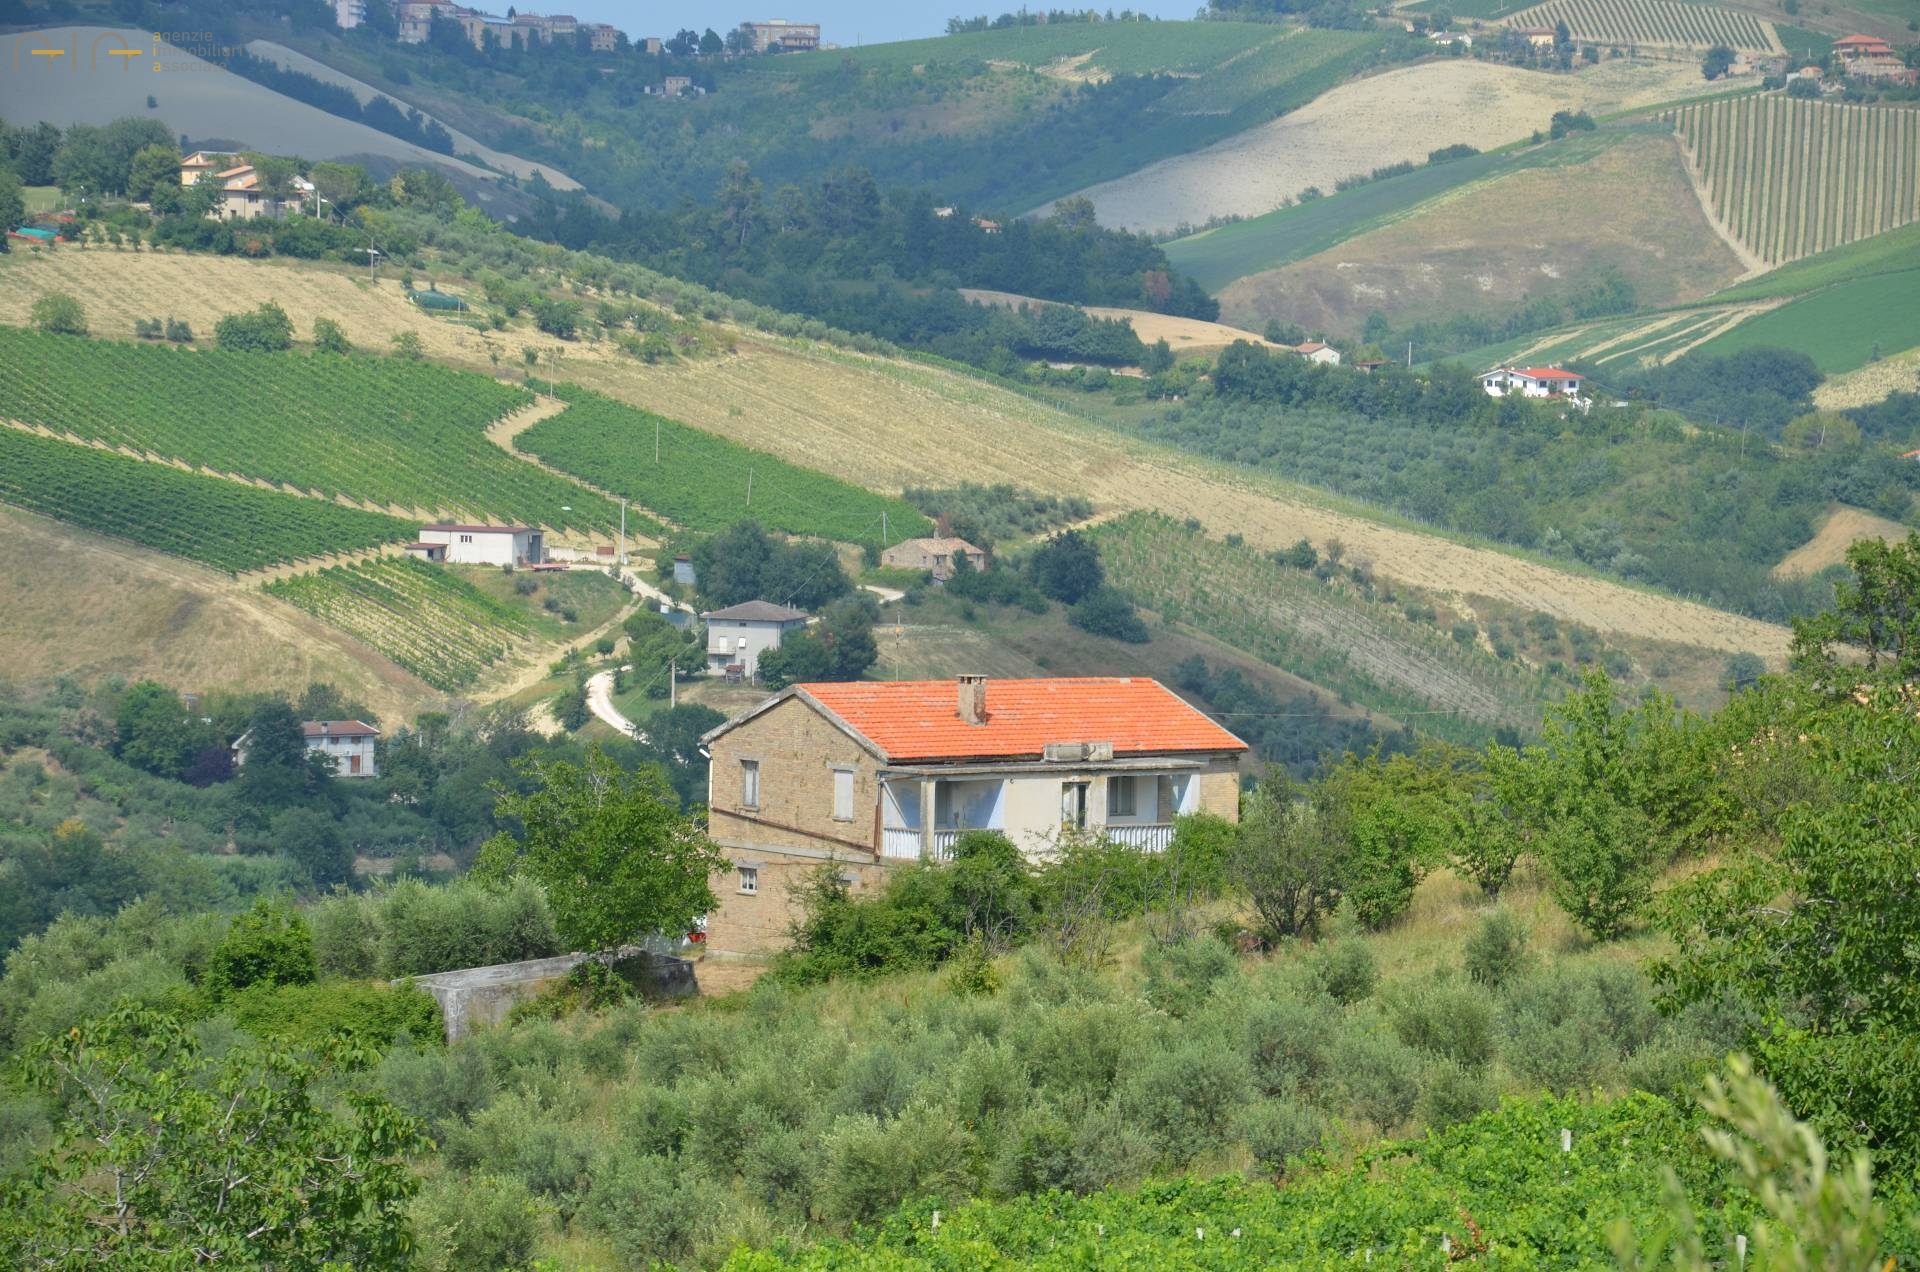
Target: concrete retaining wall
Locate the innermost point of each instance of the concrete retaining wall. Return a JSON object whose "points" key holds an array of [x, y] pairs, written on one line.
{"points": [[483, 995]]}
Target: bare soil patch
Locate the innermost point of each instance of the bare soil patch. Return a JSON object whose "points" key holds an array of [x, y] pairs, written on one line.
{"points": [[1179, 333], [1843, 528], [1491, 247], [1400, 115]]}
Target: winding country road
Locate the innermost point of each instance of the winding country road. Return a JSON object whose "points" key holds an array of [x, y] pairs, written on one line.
{"points": [[600, 702]]}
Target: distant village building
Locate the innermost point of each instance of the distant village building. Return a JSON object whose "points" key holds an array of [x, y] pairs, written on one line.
{"points": [[348, 14], [1320, 352], [934, 555], [1444, 38], [778, 33], [201, 163], [651, 45], [243, 195], [350, 744], [1533, 382], [739, 634], [485, 545], [676, 85]]}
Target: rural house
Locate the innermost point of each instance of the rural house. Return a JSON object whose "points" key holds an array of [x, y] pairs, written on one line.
{"points": [[482, 545], [874, 774], [934, 555], [348, 743], [1319, 352], [1534, 382], [739, 634]]}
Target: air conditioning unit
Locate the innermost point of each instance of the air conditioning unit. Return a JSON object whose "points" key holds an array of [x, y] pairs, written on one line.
{"points": [[1066, 752]]}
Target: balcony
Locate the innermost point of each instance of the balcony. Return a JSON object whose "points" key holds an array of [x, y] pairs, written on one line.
{"points": [[1154, 837], [900, 843]]}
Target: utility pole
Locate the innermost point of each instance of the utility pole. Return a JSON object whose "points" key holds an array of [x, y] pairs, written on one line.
{"points": [[673, 683], [656, 439], [883, 527], [620, 554], [749, 487], [1409, 355]]}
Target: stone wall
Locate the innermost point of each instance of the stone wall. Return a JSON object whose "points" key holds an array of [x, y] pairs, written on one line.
{"points": [[475, 996]]}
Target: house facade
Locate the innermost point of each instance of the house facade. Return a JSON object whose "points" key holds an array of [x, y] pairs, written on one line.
{"points": [[1533, 382], [934, 555], [484, 545], [739, 634], [871, 775], [350, 744], [1319, 352], [778, 33]]}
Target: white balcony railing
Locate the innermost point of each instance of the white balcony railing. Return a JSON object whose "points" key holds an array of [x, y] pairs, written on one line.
{"points": [[1154, 837], [943, 842], [897, 841]]}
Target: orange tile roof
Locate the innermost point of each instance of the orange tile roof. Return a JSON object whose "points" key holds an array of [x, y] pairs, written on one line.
{"points": [[1548, 373], [915, 720]]}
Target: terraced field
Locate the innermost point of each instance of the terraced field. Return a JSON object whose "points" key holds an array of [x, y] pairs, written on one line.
{"points": [[1652, 24], [436, 625], [1791, 178], [228, 525], [397, 435]]}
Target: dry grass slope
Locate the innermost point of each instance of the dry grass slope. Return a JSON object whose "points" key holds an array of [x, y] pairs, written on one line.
{"points": [[1843, 528]]}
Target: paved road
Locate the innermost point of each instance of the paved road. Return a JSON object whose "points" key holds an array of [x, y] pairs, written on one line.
{"points": [[600, 702]]}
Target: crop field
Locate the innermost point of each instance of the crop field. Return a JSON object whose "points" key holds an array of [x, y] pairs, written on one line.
{"points": [[395, 434], [1887, 253], [1352, 128], [1120, 48], [705, 482], [435, 624], [1287, 64], [1841, 327], [1367, 652], [1791, 178], [228, 525], [1658, 23]]}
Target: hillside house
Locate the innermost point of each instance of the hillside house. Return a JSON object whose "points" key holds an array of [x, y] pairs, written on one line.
{"points": [[349, 744], [934, 555], [1534, 382], [1447, 38], [1538, 38], [1317, 351], [1856, 48], [676, 85], [485, 545], [739, 634], [877, 774], [348, 14], [782, 35], [201, 163], [243, 194]]}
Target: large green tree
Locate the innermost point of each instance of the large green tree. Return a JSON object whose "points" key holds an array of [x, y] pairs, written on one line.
{"points": [[1876, 612], [170, 1157], [618, 858]]}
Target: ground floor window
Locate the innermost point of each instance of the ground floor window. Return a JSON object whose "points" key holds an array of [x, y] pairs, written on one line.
{"points": [[749, 880]]}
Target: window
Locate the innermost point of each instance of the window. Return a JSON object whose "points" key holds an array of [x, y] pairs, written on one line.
{"points": [[750, 783], [466, 538], [1120, 797], [1073, 805], [842, 794], [749, 880]]}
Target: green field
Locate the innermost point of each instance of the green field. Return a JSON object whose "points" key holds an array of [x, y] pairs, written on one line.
{"points": [[1883, 253], [1803, 45], [430, 621], [1632, 23], [705, 482], [380, 430], [1793, 178], [1839, 326], [1117, 47], [225, 524], [1482, 10], [1217, 257]]}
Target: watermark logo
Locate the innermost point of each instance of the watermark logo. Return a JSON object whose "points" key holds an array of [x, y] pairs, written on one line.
{"points": [[173, 51]]}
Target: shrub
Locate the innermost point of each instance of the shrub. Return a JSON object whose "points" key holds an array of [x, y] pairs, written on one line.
{"points": [[1451, 1093], [1278, 1131], [1346, 971], [1567, 1029], [1378, 1075], [1497, 950], [58, 313], [1183, 1097], [1601, 859], [475, 1221], [330, 337], [444, 1088], [269, 945], [371, 1012], [1287, 1042], [1108, 612], [871, 1166], [408, 346], [1182, 975], [1443, 1018], [264, 330], [179, 332]]}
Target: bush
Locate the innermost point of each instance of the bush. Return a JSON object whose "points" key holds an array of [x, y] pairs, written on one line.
{"points": [[57, 313], [264, 330], [1444, 1018], [330, 337], [1181, 976], [475, 1221], [1184, 1097], [1287, 1042], [1279, 1131], [1108, 612], [871, 1166], [269, 945], [369, 1011], [1497, 950], [1568, 1029], [1451, 1093], [1346, 971], [1378, 1075]]}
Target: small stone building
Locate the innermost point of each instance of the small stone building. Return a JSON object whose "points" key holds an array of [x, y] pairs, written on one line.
{"points": [[935, 555]]}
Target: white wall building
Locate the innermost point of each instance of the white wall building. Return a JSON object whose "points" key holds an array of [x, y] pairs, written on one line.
{"points": [[1319, 352], [348, 743], [1533, 382], [348, 14], [487, 545], [739, 634]]}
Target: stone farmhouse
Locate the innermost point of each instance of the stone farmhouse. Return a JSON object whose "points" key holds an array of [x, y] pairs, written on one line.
{"points": [[876, 774], [934, 555]]}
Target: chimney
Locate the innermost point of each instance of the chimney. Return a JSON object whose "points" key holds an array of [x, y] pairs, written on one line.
{"points": [[973, 699]]}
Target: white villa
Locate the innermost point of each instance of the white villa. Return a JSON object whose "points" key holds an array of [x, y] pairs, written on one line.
{"points": [[1535, 382]]}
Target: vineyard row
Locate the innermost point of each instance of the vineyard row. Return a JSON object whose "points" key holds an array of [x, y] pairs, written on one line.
{"points": [[1651, 22]]}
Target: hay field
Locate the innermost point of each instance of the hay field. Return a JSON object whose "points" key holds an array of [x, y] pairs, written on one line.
{"points": [[1181, 334], [1843, 527], [886, 424], [1871, 383], [1403, 114], [1491, 246], [202, 104], [80, 605]]}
